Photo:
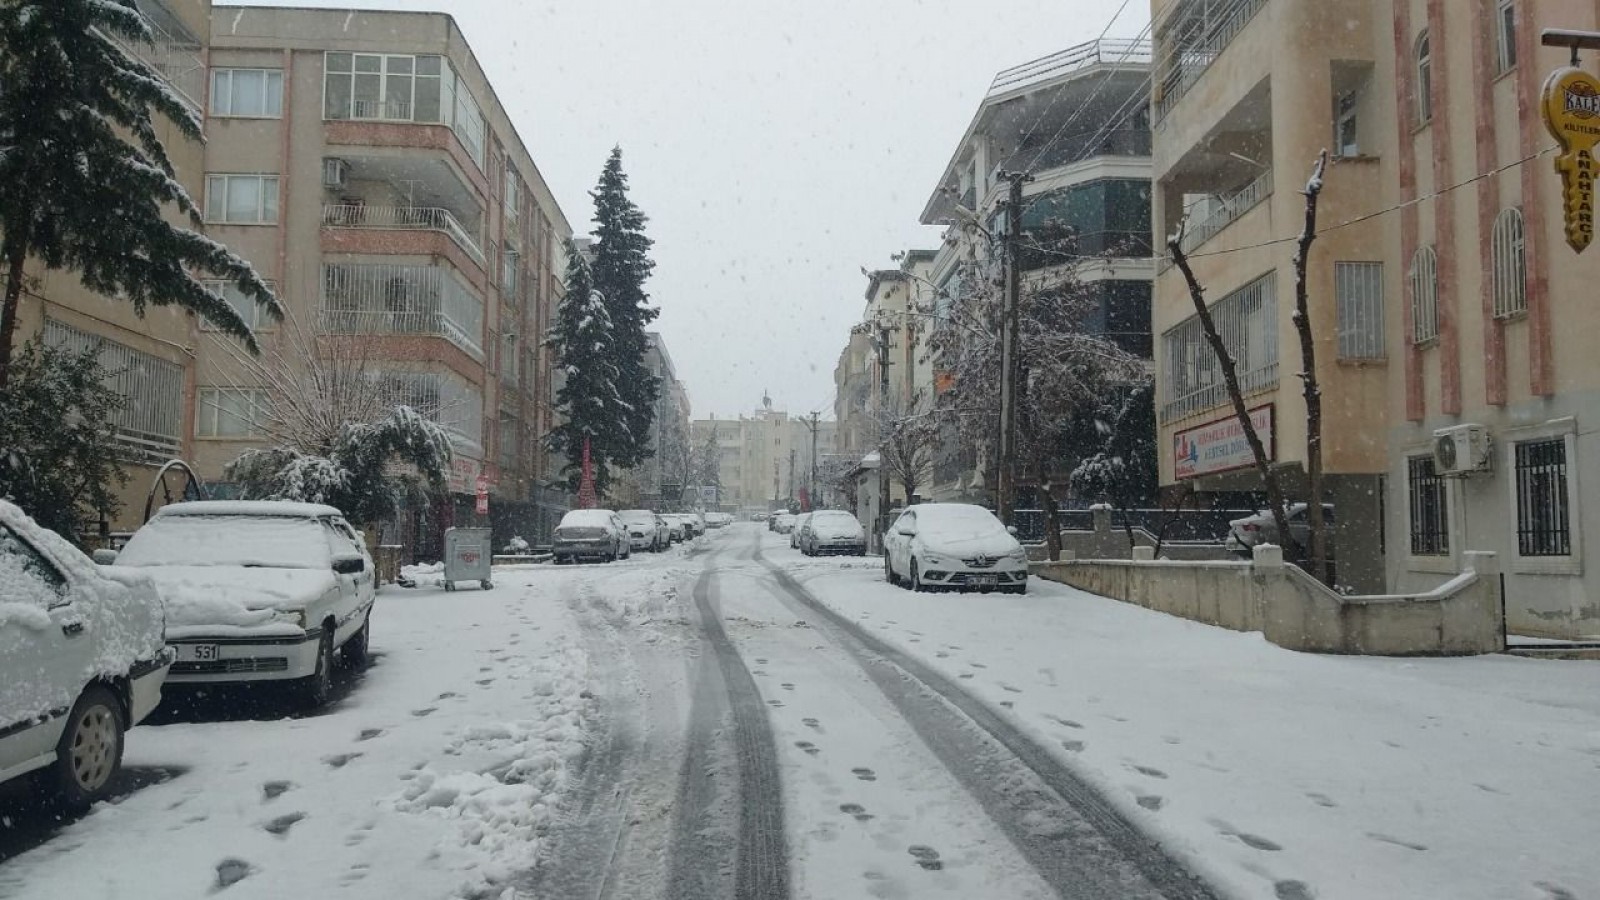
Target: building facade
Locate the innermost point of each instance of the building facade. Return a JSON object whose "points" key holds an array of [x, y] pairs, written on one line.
{"points": [[659, 479], [765, 458], [362, 161], [1245, 94]]}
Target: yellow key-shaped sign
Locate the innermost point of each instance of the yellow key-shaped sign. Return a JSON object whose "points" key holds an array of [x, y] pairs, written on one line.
{"points": [[1571, 106]]}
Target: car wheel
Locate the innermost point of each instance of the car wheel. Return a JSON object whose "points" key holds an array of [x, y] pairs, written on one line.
{"points": [[888, 571], [357, 650], [916, 578], [315, 688], [89, 752]]}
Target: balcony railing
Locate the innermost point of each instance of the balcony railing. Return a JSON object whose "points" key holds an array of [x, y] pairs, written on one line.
{"points": [[1227, 210], [396, 110], [178, 60], [1191, 41], [1080, 145], [1106, 51], [417, 322], [424, 218]]}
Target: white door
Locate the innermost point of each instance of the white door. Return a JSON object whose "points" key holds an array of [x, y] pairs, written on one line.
{"points": [[353, 586], [900, 545], [45, 648]]}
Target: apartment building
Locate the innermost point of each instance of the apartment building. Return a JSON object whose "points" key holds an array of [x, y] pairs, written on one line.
{"points": [[1491, 442], [1245, 94], [642, 485], [1078, 122], [765, 459], [362, 161]]}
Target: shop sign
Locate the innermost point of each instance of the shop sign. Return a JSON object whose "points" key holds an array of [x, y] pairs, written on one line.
{"points": [[1220, 446], [1570, 103]]}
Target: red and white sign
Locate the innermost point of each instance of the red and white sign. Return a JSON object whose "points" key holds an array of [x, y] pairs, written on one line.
{"points": [[464, 474], [482, 486], [1220, 445]]}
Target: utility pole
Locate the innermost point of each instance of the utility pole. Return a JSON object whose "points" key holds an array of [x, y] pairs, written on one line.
{"points": [[791, 473], [813, 459], [1006, 481], [883, 407]]}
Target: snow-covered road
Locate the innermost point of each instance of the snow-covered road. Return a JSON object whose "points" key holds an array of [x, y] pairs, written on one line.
{"points": [[733, 719]]}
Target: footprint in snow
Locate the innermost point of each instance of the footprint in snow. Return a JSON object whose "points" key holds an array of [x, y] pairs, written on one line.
{"points": [[864, 774], [273, 789], [1322, 800], [977, 665], [232, 871], [926, 857], [1074, 746], [1153, 773], [1250, 840], [942, 655], [1150, 801], [425, 711], [1290, 889], [812, 724], [1007, 687], [1386, 839], [340, 760], [774, 703], [761, 662], [447, 695], [809, 748], [787, 686], [1060, 721], [368, 734], [281, 825], [856, 811], [965, 675]]}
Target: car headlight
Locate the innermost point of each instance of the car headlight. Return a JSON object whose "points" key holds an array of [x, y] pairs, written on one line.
{"points": [[933, 560], [1019, 554], [296, 617]]}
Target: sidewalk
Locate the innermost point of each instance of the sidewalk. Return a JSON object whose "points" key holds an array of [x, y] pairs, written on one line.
{"points": [[1277, 774]]}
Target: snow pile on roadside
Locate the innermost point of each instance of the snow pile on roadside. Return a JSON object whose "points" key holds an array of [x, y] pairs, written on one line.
{"points": [[503, 789], [647, 595], [417, 571]]}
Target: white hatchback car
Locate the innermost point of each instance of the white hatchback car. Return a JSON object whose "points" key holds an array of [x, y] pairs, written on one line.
{"points": [[258, 590], [82, 660], [954, 545]]}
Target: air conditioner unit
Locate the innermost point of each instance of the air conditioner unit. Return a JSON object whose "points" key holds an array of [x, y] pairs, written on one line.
{"points": [[335, 172], [1461, 450]]}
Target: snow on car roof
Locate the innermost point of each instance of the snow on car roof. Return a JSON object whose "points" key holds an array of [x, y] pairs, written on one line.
{"points": [[951, 511], [248, 508], [587, 517]]}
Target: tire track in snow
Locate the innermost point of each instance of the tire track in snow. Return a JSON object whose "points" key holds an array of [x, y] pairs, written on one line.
{"points": [[725, 693], [1075, 840]]}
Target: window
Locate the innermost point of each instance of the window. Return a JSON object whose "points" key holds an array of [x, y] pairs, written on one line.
{"points": [[467, 122], [242, 199], [18, 560], [383, 298], [245, 306], [1345, 135], [1358, 288], [508, 360], [1424, 296], [387, 86], [1247, 319], [1510, 266], [150, 427], [230, 412], [1505, 21], [513, 193], [509, 260], [1542, 506], [1423, 96], [1430, 521], [250, 93]]}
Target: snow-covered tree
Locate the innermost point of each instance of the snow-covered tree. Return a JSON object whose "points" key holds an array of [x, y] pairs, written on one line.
{"points": [[84, 179], [58, 456], [621, 266], [590, 399], [1120, 470], [907, 441]]}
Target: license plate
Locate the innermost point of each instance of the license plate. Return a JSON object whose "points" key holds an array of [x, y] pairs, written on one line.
{"points": [[983, 580], [198, 653]]}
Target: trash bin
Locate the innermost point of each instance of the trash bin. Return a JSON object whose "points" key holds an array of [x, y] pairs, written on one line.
{"points": [[467, 556]]}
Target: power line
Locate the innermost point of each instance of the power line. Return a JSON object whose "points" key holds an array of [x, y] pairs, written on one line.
{"points": [[1061, 88], [1104, 80]]}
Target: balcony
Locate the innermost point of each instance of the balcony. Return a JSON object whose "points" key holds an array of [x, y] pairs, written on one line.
{"points": [[171, 52], [1216, 213], [1106, 51], [403, 218], [1190, 39], [361, 298]]}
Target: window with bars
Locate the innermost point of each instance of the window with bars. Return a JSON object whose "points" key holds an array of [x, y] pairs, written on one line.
{"points": [[1424, 296], [1507, 248], [1247, 320], [230, 412], [150, 427], [1543, 517], [1358, 288], [1430, 519]]}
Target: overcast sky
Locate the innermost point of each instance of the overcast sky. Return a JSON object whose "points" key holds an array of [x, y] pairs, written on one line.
{"points": [[776, 147]]}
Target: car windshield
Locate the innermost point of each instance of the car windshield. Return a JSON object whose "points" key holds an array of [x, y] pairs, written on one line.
{"points": [[274, 542], [958, 522]]}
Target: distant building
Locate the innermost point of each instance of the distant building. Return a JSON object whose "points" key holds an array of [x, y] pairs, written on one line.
{"points": [[766, 457]]}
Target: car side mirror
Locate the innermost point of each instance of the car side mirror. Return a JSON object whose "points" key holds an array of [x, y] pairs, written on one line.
{"points": [[349, 565], [105, 556], [906, 532]]}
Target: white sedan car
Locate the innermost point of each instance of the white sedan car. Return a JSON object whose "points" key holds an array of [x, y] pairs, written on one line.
{"points": [[258, 590], [82, 660], [646, 531], [954, 545]]}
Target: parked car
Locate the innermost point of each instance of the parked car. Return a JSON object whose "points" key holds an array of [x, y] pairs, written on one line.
{"points": [[798, 529], [783, 523], [258, 590], [677, 527], [697, 521], [718, 520], [1245, 533], [596, 534], [954, 545], [645, 530], [833, 531], [82, 660]]}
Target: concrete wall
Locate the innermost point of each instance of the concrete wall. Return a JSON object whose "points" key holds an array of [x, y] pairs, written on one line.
{"points": [[1106, 542], [1294, 611]]}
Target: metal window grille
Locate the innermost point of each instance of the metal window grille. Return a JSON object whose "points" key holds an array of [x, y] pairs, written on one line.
{"points": [[1247, 320], [1191, 40], [1424, 296], [382, 298], [1509, 263], [1543, 516], [1430, 521], [446, 399], [150, 427], [1358, 288]]}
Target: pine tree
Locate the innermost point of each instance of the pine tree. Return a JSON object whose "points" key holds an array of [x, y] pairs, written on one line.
{"points": [[84, 179], [621, 265], [589, 400]]}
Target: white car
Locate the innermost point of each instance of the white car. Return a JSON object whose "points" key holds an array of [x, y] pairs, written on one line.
{"points": [[954, 545], [590, 534], [645, 529], [82, 660], [258, 591], [783, 523], [677, 527], [797, 530], [833, 531]]}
